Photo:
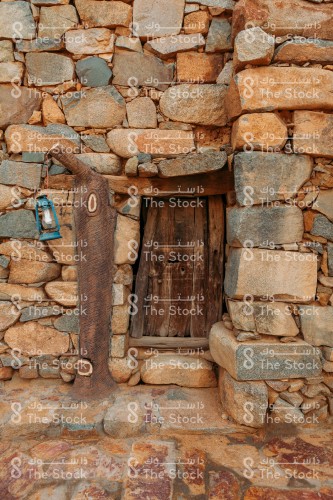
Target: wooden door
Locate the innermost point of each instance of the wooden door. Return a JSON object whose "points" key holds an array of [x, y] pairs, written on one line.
{"points": [[179, 280]]}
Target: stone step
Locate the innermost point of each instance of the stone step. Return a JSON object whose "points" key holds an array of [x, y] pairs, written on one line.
{"points": [[263, 359]]}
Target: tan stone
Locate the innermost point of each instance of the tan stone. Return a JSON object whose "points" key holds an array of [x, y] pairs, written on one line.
{"points": [[35, 272], [11, 72], [124, 275], [17, 107], [300, 51], [193, 67], [196, 22], [47, 68], [304, 18], [192, 164], [272, 88], [34, 339], [103, 163], [7, 196], [63, 249], [18, 293], [16, 20], [128, 43], [63, 292], [141, 113], [69, 273], [155, 18], [126, 240], [285, 276], [36, 139], [147, 169], [9, 314], [120, 369], [253, 46], [120, 319], [157, 142], [324, 204], [51, 111], [169, 46], [56, 20], [186, 371], [90, 41], [6, 373], [313, 133], [120, 294], [17, 249], [259, 131], [119, 346], [6, 51], [200, 104], [101, 13]]}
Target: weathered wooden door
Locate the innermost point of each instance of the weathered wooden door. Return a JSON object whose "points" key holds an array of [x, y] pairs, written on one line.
{"points": [[178, 285]]}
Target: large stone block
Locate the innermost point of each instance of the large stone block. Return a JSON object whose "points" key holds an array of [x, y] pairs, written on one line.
{"points": [[91, 41], [245, 402], [6, 51], [253, 46], [264, 226], [267, 318], [261, 178], [11, 72], [155, 18], [317, 325], [40, 139], [133, 69], [17, 104], [18, 224], [16, 20], [34, 339], [46, 68], [21, 293], [93, 72], [324, 203], [259, 131], [262, 359], [198, 67], [219, 36], [193, 164], [300, 51], [21, 174], [311, 20], [195, 103], [284, 276], [168, 46], [277, 88], [126, 240], [322, 227], [100, 107], [156, 142], [106, 14], [55, 21], [313, 133], [36, 272], [103, 163], [141, 113]]}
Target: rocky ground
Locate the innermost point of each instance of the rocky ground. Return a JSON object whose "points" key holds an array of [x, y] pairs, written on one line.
{"points": [[54, 447]]}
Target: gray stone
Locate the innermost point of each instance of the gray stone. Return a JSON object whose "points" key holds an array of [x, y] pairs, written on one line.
{"points": [[40, 139], [226, 74], [35, 312], [220, 4], [21, 174], [93, 72], [95, 142], [266, 274], [330, 258], [322, 227], [6, 51], [131, 167], [33, 157], [133, 69], [39, 45], [317, 324], [4, 261], [103, 163], [169, 46], [68, 322], [324, 203], [284, 412], [219, 36], [263, 317], [144, 157], [264, 177], [262, 359], [193, 163], [16, 20], [195, 103], [46, 68], [102, 107], [18, 224], [55, 21], [17, 105], [253, 46], [155, 18], [264, 226], [128, 43], [245, 402]]}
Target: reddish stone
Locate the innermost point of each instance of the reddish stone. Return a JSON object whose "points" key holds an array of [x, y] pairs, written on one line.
{"points": [[223, 485]]}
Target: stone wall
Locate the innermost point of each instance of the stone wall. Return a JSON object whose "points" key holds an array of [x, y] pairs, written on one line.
{"points": [[131, 87]]}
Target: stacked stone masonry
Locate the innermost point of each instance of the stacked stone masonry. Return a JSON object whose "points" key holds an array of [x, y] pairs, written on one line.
{"points": [[169, 88]]}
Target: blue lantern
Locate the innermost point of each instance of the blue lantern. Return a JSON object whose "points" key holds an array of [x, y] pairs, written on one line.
{"points": [[46, 219]]}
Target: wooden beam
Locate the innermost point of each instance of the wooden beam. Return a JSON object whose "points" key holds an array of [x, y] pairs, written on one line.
{"points": [[170, 342], [209, 184]]}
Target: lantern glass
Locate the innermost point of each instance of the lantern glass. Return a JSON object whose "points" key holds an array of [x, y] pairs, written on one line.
{"points": [[46, 219]]}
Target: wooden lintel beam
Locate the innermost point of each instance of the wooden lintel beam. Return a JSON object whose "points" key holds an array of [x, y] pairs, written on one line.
{"points": [[170, 342]]}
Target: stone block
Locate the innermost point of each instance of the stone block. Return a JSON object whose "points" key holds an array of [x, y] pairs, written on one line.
{"points": [[271, 274], [330, 258], [9, 314], [196, 22], [18, 224], [245, 402], [90, 41], [40, 139], [317, 325], [21, 293], [55, 21], [63, 292], [186, 371], [16, 20], [35, 312], [36, 272], [193, 67], [103, 163], [147, 169], [107, 14], [259, 132], [51, 112], [279, 88], [141, 113], [121, 370], [26, 175], [101, 107], [300, 51], [17, 107], [119, 346], [261, 178], [193, 164], [124, 43], [195, 103], [219, 36], [262, 359], [120, 319], [324, 203], [120, 294], [155, 18], [6, 51], [313, 133], [11, 72], [253, 46], [33, 339], [46, 68], [322, 227], [168, 46], [39, 45], [126, 240], [263, 317], [264, 226], [93, 72], [68, 322]]}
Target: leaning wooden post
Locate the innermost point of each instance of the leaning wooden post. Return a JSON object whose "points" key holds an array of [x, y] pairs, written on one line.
{"points": [[94, 223]]}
